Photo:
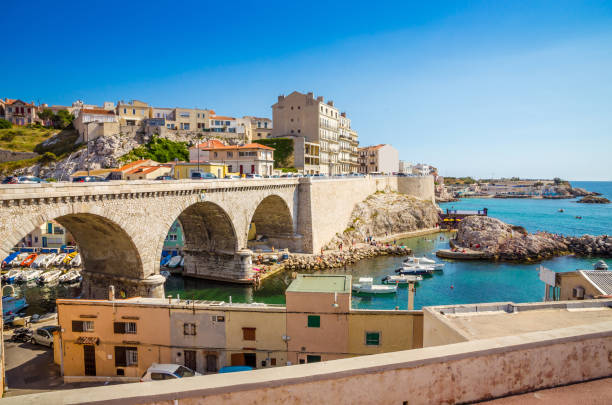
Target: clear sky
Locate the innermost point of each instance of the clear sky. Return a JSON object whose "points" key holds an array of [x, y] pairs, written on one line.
{"points": [[491, 88]]}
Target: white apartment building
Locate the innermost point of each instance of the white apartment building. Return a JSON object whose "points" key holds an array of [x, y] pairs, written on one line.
{"points": [[381, 158], [423, 169], [405, 167], [318, 122]]}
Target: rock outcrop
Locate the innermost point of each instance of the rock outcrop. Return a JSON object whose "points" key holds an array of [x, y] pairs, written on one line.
{"points": [[343, 258], [592, 199], [501, 241], [384, 214]]}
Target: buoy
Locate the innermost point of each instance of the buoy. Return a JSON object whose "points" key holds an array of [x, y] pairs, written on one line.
{"points": [[452, 287]]}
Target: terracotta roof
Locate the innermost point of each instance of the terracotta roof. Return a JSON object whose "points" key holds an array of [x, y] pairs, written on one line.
{"points": [[213, 143], [221, 117], [13, 101], [97, 111], [144, 169], [133, 164]]}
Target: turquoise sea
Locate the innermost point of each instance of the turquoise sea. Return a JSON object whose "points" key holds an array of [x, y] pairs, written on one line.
{"points": [[461, 282]]}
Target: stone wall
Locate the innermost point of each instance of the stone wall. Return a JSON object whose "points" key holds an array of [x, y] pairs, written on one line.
{"points": [[420, 187], [10, 156]]}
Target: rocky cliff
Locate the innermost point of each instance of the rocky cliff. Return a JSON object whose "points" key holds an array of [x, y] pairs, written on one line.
{"points": [[593, 199], [502, 241], [384, 214]]}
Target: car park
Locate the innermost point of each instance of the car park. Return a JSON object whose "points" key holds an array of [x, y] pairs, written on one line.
{"points": [[167, 372]]}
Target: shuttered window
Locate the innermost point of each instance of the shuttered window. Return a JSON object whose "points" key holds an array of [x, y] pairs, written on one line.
{"points": [[248, 333], [124, 327], [189, 329], [126, 356], [77, 326], [372, 338]]}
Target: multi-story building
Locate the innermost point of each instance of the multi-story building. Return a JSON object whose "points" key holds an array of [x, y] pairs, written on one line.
{"points": [[92, 123], [48, 235], [381, 158], [188, 119], [405, 167], [19, 112], [423, 169], [243, 159], [123, 337], [132, 113], [318, 122], [260, 128]]}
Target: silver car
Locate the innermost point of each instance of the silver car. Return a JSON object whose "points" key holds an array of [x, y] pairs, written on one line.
{"points": [[44, 336]]}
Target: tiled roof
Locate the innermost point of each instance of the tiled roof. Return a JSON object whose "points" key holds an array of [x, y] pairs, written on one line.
{"points": [[221, 117], [601, 279], [237, 147], [13, 101], [134, 164], [144, 169], [97, 111]]}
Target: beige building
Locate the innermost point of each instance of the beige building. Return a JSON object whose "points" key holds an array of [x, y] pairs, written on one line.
{"points": [[577, 285], [243, 159], [321, 123], [132, 113], [19, 112], [259, 128], [382, 158], [93, 123]]}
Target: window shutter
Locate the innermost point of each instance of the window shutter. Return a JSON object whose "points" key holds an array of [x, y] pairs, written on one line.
{"points": [[77, 326], [120, 358], [119, 327]]}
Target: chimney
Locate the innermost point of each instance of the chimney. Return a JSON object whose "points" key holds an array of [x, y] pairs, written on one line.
{"points": [[111, 293], [320, 98], [281, 98], [330, 103]]}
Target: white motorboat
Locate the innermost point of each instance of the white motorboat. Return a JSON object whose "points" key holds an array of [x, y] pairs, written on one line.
{"points": [[48, 260], [59, 259], [416, 261], [28, 275], [11, 276], [366, 286], [182, 262], [165, 273], [36, 262], [49, 276], [76, 262], [20, 257], [71, 276], [175, 261], [402, 279]]}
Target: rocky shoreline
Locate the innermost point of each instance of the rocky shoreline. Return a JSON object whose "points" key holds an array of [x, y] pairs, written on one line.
{"points": [[491, 239], [593, 199]]}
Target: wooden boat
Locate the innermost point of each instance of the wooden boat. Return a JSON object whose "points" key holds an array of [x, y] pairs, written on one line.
{"points": [[366, 286], [403, 279], [7, 261], [29, 260]]}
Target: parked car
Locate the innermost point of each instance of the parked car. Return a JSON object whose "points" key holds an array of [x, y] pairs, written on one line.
{"points": [[22, 180], [232, 177], [88, 179], [254, 176], [167, 372], [44, 336], [164, 178], [202, 176]]}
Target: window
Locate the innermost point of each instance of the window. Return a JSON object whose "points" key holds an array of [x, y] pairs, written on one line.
{"points": [[248, 333], [216, 154], [126, 356], [125, 110], [189, 329], [218, 318], [133, 111], [185, 114], [273, 359], [230, 154], [125, 327], [314, 321], [227, 123], [258, 124], [372, 338], [313, 359], [82, 326]]}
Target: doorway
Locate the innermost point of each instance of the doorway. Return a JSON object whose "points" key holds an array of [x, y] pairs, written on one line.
{"points": [[211, 363], [89, 359], [190, 359]]}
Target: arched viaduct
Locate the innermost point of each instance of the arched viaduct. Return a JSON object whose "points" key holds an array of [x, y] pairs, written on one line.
{"points": [[120, 227]]}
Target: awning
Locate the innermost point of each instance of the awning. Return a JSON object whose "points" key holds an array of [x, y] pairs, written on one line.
{"points": [[87, 340]]}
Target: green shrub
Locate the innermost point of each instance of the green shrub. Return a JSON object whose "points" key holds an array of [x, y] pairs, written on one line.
{"points": [[4, 124], [158, 149], [283, 151], [289, 170], [8, 136], [48, 157]]}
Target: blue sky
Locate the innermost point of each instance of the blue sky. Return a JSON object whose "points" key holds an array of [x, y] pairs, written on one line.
{"points": [[488, 88]]}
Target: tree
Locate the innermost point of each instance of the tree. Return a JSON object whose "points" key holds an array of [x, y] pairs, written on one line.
{"points": [[46, 115], [557, 181], [4, 124], [63, 119]]}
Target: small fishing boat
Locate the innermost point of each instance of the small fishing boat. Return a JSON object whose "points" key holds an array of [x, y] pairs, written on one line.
{"points": [[578, 217], [39, 259], [11, 275], [20, 257], [13, 305], [49, 276], [422, 262], [419, 260], [561, 210], [68, 258], [76, 262], [71, 276], [165, 259], [600, 265], [182, 262], [419, 270], [48, 260], [28, 275], [8, 259], [59, 259], [366, 286], [402, 279], [175, 261], [28, 260]]}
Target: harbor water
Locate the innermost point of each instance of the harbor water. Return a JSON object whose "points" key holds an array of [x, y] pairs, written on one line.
{"points": [[459, 283]]}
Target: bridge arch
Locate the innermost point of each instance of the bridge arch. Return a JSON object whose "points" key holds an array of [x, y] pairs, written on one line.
{"points": [[109, 253], [272, 220]]}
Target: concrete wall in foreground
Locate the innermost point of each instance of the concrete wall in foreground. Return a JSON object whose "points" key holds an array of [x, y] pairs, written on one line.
{"points": [[457, 373]]}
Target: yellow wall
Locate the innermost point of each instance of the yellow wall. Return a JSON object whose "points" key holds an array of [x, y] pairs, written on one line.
{"points": [[153, 336], [398, 331], [270, 328], [569, 281], [182, 171]]}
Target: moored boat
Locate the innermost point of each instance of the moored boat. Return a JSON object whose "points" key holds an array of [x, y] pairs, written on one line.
{"points": [[366, 286], [59, 259], [403, 279], [39, 259], [48, 260], [76, 262], [175, 261], [28, 275], [71, 276], [49, 276], [11, 275], [13, 305], [7, 260], [600, 265], [20, 257], [68, 258], [28, 260]]}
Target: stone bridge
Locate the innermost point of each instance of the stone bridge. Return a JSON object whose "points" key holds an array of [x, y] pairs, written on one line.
{"points": [[121, 226]]}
